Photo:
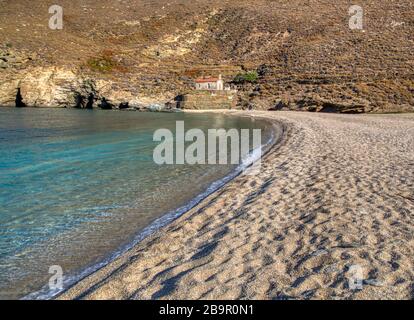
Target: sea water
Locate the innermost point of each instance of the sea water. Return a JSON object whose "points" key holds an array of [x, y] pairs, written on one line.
{"points": [[78, 187]]}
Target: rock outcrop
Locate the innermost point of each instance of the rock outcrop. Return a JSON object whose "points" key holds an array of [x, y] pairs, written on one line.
{"points": [[105, 104], [42, 87], [62, 87]]}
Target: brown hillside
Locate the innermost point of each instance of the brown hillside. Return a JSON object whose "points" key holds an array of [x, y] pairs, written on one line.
{"points": [[304, 52]]}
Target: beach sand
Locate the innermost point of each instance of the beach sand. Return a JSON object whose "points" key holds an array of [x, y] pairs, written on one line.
{"points": [[334, 198]]}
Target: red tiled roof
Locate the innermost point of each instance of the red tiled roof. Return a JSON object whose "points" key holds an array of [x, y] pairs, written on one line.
{"points": [[206, 79]]}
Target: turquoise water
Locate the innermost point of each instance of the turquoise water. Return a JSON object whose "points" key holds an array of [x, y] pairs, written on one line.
{"points": [[77, 186]]}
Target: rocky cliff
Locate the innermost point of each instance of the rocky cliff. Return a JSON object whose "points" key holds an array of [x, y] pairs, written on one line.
{"points": [[137, 51]]}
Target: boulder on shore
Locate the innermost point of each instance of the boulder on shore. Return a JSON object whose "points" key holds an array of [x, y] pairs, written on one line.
{"points": [[123, 105], [105, 105]]}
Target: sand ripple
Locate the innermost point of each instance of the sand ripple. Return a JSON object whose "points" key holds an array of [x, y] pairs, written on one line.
{"points": [[337, 192]]}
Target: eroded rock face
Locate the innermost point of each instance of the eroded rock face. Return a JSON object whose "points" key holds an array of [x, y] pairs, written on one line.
{"points": [[62, 87], [41, 87], [8, 89]]}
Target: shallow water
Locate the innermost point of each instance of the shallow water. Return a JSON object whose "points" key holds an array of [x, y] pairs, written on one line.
{"points": [[76, 185]]}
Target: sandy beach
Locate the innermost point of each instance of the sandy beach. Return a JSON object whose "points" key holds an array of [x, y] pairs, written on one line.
{"points": [[336, 193]]}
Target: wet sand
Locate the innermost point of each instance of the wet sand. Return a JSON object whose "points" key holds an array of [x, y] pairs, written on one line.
{"points": [[334, 198]]}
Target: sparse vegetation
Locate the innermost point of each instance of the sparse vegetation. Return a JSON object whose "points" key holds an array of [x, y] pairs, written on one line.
{"points": [[104, 63], [101, 64], [248, 77]]}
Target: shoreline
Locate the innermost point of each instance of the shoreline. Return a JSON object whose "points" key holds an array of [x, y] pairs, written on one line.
{"points": [[163, 221], [169, 258]]}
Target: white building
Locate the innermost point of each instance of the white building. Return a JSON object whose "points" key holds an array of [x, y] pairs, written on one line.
{"points": [[209, 83]]}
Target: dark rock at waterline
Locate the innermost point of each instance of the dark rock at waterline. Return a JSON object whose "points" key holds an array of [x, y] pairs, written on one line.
{"points": [[249, 106], [19, 99], [170, 105], [280, 105], [79, 101], [105, 105], [123, 105], [91, 100]]}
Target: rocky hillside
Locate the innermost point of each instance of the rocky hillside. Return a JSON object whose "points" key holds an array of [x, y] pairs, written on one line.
{"points": [[141, 51]]}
